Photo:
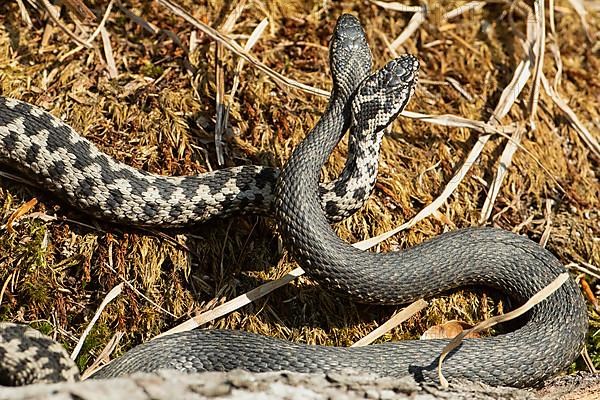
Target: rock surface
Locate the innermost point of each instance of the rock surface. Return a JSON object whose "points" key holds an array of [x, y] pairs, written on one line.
{"points": [[241, 385]]}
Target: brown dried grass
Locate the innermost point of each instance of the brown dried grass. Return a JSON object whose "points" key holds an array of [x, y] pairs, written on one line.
{"points": [[159, 115]]}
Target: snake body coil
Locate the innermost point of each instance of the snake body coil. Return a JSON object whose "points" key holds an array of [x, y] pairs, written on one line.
{"points": [[549, 340]]}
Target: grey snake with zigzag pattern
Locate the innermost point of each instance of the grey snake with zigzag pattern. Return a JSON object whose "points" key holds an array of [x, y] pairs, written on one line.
{"points": [[549, 340]]}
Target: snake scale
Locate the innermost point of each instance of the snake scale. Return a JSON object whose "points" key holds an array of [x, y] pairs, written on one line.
{"points": [[546, 343]]}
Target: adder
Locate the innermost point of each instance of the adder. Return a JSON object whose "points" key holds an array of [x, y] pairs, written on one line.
{"points": [[550, 339], [50, 152]]}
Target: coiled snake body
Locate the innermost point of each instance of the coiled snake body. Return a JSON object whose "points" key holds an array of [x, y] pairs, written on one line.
{"points": [[550, 339]]}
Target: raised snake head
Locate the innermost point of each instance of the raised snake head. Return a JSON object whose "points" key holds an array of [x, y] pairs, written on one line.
{"points": [[349, 55], [383, 95]]}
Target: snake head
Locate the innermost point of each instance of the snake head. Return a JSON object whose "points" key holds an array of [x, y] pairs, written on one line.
{"points": [[383, 95], [349, 53]]}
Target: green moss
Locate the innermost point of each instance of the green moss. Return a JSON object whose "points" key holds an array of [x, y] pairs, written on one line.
{"points": [[594, 339], [43, 326], [151, 70], [94, 342]]}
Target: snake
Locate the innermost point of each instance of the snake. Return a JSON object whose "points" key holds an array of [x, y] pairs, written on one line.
{"points": [[550, 337], [44, 148]]}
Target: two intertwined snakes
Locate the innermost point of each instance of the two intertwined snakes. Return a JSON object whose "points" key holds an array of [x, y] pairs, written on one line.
{"points": [[551, 337]]}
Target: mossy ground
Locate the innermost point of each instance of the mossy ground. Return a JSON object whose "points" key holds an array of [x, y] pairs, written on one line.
{"points": [[159, 113]]}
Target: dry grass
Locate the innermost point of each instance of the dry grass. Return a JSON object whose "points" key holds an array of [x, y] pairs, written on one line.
{"points": [[159, 114]]}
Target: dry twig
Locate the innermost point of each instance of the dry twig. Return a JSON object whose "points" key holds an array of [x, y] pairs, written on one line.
{"points": [[488, 323], [237, 49], [52, 13], [391, 323]]}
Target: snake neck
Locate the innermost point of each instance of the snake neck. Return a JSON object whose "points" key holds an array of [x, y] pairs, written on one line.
{"points": [[306, 161], [352, 188], [316, 148]]}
